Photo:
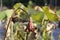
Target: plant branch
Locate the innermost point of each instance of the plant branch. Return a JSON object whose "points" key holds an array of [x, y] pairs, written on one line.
{"points": [[10, 19]]}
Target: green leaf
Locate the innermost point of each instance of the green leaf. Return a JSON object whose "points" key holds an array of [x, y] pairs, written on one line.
{"points": [[38, 16], [3, 15], [50, 16], [9, 13], [18, 5], [31, 11], [58, 12]]}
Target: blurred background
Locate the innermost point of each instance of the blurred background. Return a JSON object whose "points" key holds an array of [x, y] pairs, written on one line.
{"points": [[30, 19]]}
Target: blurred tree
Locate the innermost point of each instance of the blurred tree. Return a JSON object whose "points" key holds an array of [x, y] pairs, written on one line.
{"points": [[10, 3]]}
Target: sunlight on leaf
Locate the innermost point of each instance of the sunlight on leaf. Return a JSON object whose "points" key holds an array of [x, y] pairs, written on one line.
{"points": [[18, 5], [51, 16]]}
